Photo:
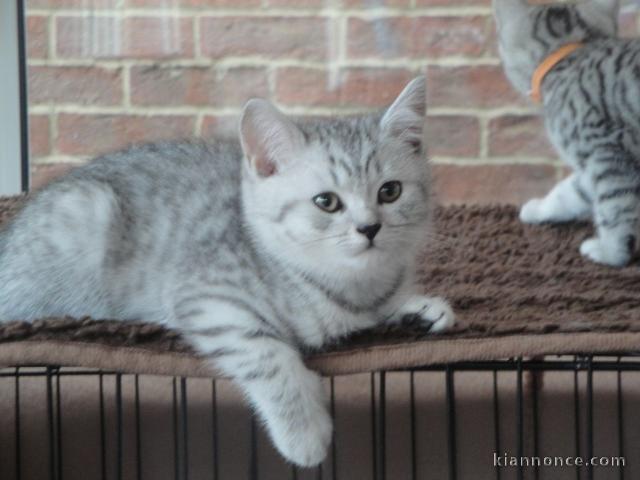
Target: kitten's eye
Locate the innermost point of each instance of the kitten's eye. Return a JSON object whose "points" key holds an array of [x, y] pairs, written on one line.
{"points": [[328, 201], [389, 192]]}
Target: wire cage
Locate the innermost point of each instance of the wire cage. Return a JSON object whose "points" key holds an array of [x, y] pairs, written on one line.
{"points": [[456, 421]]}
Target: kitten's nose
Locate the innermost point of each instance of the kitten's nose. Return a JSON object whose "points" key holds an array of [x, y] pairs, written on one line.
{"points": [[369, 231]]}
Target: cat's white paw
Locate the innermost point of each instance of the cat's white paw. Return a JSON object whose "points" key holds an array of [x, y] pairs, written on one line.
{"points": [[604, 252], [435, 312], [305, 438], [532, 211]]}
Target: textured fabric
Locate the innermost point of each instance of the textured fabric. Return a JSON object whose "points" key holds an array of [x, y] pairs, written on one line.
{"points": [[518, 290]]}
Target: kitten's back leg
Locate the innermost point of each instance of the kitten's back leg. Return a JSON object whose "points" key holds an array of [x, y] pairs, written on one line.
{"points": [[616, 183], [53, 253], [567, 201]]}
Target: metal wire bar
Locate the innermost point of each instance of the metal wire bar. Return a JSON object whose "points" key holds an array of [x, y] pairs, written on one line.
{"points": [[620, 422], [412, 413], [496, 421], [253, 463], [185, 428], [119, 436], [576, 408], [382, 430], [17, 423], [633, 364], [176, 449], [530, 365], [138, 429], [103, 433], [374, 433], [59, 427], [52, 462], [214, 427], [520, 418], [536, 430], [451, 422], [589, 416], [334, 468]]}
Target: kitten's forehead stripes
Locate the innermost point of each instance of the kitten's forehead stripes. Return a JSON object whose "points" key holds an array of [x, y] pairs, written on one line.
{"points": [[350, 145]]}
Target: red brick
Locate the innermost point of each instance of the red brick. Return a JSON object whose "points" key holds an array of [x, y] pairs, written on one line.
{"points": [[478, 86], [418, 37], [43, 174], [297, 3], [377, 3], [77, 85], [492, 50], [450, 3], [80, 4], [491, 184], [225, 126], [453, 136], [354, 87], [521, 135], [196, 3], [197, 86], [273, 37], [131, 37], [39, 135], [93, 134], [37, 36]]}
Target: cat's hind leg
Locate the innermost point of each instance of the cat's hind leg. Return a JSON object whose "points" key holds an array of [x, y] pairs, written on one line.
{"points": [[616, 180], [51, 263], [565, 202], [288, 397]]}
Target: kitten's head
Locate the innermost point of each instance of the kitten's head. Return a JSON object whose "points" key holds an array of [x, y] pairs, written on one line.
{"points": [[527, 34], [338, 196]]}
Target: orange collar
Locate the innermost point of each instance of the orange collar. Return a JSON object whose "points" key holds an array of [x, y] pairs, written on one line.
{"points": [[547, 65]]}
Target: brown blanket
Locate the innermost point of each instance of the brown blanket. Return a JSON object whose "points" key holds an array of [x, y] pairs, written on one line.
{"points": [[517, 290]]}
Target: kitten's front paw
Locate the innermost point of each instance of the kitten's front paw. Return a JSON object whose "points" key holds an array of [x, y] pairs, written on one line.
{"points": [[603, 252], [305, 438], [434, 313], [531, 212]]}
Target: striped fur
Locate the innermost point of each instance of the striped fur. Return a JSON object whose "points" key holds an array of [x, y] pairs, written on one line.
{"points": [[224, 242], [591, 106]]}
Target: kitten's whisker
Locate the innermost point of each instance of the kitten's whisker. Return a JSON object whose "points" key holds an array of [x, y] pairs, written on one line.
{"points": [[329, 237]]}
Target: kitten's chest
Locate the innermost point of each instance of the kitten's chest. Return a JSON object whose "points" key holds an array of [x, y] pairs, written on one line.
{"points": [[318, 317]]}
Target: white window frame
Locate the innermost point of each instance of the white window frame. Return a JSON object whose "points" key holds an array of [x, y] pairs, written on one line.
{"points": [[14, 143]]}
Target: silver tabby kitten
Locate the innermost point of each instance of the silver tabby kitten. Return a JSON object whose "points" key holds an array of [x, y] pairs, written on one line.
{"points": [[296, 236], [591, 106]]}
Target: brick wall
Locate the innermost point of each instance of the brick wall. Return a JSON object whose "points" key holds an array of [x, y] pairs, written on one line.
{"points": [[105, 73]]}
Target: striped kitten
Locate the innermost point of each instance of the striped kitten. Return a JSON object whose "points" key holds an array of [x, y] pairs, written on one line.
{"points": [[292, 238], [591, 105]]}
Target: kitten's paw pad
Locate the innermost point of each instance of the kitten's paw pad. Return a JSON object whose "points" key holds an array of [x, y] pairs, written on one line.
{"points": [[605, 253], [306, 442], [434, 313], [531, 212]]}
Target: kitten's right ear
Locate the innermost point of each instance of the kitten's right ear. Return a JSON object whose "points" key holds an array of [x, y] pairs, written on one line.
{"points": [[268, 137], [406, 116]]}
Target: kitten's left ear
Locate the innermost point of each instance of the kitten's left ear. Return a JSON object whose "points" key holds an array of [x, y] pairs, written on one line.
{"points": [[405, 118]]}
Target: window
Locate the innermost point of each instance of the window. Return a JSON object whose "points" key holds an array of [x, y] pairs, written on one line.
{"points": [[14, 173]]}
